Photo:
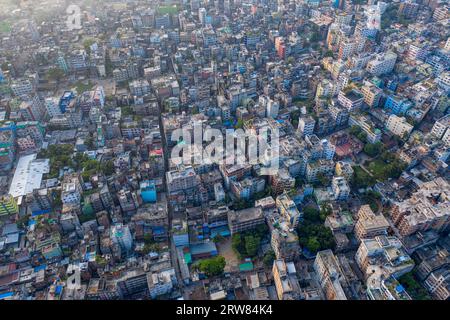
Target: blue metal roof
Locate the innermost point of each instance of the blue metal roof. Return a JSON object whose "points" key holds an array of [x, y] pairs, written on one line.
{"points": [[6, 295]]}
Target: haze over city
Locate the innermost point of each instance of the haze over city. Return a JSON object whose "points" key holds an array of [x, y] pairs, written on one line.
{"points": [[232, 150]]}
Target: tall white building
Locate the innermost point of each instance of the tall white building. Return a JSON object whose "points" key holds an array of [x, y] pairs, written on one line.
{"points": [[382, 64]]}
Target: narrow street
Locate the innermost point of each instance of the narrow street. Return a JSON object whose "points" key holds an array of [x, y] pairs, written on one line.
{"points": [[173, 250]]}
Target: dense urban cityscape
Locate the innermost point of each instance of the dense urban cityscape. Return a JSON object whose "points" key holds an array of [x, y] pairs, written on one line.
{"points": [[107, 193]]}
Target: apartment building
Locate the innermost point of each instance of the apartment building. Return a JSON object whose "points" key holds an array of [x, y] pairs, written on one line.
{"points": [[427, 209], [382, 260], [372, 94], [330, 275], [438, 284], [341, 189], [306, 125], [350, 99], [181, 179], [369, 224], [71, 190], [288, 209], [373, 133], [285, 278], [319, 167], [398, 125], [441, 127], [383, 63]]}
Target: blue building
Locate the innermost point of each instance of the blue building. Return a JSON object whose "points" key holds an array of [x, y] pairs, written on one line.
{"points": [[181, 239], [397, 105], [203, 250], [65, 100], [148, 191]]}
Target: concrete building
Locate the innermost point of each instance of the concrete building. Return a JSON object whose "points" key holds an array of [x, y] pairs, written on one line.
{"points": [[383, 259], [427, 209], [351, 99], [330, 275], [71, 190], [398, 125], [383, 63], [373, 133], [438, 284], [372, 94], [306, 125], [246, 219], [121, 235], [340, 188], [139, 88], [288, 209], [286, 282], [441, 126], [8, 205], [369, 224], [181, 179], [319, 167]]}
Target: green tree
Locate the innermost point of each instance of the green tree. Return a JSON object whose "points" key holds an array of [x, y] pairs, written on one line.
{"points": [[238, 244], [195, 110], [87, 45], [151, 247], [251, 245], [22, 222], [269, 257], [313, 245], [373, 149], [55, 74], [108, 168], [89, 142], [325, 211], [311, 214], [329, 53], [362, 136], [212, 266], [323, 179], [361, 179], [412, 286], [354, 130], [148, 239]]}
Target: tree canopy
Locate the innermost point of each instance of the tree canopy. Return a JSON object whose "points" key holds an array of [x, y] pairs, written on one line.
{"points": [[212, 266]]}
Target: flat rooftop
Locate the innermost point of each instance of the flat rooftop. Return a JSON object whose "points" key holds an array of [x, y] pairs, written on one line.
{"points": [[28, 175]]}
